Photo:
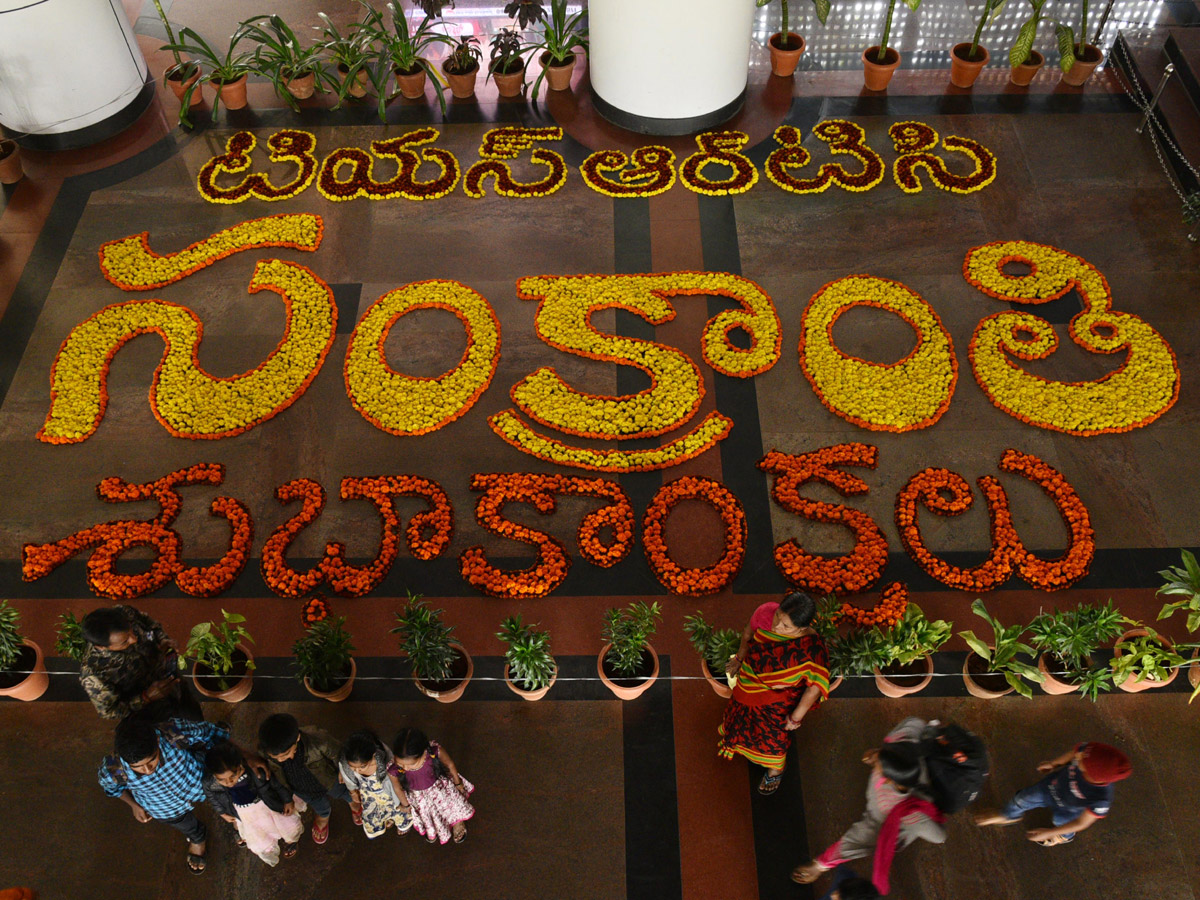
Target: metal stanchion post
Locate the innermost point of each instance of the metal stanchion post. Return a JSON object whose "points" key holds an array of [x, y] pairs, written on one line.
{"points": [[1167, 72]]}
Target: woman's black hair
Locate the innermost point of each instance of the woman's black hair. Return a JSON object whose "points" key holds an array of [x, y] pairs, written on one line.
{"points": [[799, 607], [100, 625], [136, 739], [278, 733], [857, 889], [901, 763], [361, 747], [222, 757]]}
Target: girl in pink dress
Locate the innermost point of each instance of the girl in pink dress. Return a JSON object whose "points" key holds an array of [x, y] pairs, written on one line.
{"points": [[434, 786]]}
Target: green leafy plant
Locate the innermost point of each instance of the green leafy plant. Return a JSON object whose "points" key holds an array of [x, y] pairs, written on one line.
{"points": [[628, 631], [1182, 581], [860, 652], [426, 639], [506, 57], [526, 12], [528, 653], [1070, 637], [1144, 656], [1003, 652], [881, 56], [183, 68], [822, 7], [405, 47], [351, 53], [715, 645], [1070, 49], [70, 643], [991, 9], [323, 654], [558, 38], [1023, 46], [280, 56], [215, 67], [1094, 681], [11, 641], [466, 56], [913, 637], [212, 646]]}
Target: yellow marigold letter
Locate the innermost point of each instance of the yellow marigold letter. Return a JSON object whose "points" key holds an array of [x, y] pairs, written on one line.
{"points": [[188, 401], [405, 404], [1144, 387], [903, 396]]}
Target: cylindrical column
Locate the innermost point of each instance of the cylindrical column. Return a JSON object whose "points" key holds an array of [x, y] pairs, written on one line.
{"points": [[669, 66], [71, 72]]}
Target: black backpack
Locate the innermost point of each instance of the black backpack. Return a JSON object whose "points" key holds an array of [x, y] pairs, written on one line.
{"points": [[957, 762]]}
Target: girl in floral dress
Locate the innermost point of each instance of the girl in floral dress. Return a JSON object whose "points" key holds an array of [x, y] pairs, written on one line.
{"points": [[436, 789], [377, 800]]}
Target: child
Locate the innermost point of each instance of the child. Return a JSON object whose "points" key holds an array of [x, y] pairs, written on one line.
{"points": [[377, 800], [307, 762], [437, 791], [1077, 787], [263, 811]]}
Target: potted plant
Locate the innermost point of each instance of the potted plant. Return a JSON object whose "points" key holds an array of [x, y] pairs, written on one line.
{"points": [[324, 660], [908, 648], [440, 665], [786, 46], [506, 64], [859, 653], [1144, 659], [968, 58], [184, 73], [529, 669], [10, 162], [1026, 61], [225, 73], [559, 37], [224, 666], [1183, 581], [71, 642], [1078, 59], [1067, 639], [627, 664], [880, 61], [351, 54], [295, 71], [993, 670], [405, 48], [715, 646], [23, 673], [462, 66]]}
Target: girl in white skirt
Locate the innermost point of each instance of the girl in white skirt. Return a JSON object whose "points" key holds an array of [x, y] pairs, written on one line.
{"points": [[264, 812], [435, 788]]}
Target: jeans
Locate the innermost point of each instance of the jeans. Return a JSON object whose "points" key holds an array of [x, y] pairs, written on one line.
{"points": [[1038, 796], [193, 829], [320, 804]]}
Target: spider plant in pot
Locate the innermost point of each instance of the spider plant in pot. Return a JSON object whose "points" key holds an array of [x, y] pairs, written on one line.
{"points": [[1026, 61], [184, 72], [555, 44], [1077, 59], [506, 64], [440, 665], [1068, 639], [462, 66], [224, 72], [1144, 659], [324, 659], [880, 61], [23, 673], [786, 46], [224, 666], [995, 669], [529, 669], [627, 664], [406, 47], [71, 642], [1184, 582], [968, 58], [351, 53], [716, 646], [295, 71], [908, 648]]}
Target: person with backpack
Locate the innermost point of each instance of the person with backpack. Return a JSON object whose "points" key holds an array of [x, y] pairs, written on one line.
{"points": [[918, 765]]}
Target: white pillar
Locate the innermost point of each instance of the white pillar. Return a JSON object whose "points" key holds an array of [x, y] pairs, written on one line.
{"points": [[67, 67], [665, 61]]}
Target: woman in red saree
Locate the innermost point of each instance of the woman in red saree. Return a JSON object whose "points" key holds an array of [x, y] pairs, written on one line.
{"points": [[782, 671]]}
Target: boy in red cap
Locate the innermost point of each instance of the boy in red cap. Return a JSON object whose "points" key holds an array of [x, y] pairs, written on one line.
{"points": [[1078, 788]]}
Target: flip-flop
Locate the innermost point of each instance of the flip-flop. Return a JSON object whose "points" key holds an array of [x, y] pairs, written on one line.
{"points": [[320, 835], [356, 817], [461, 836], [289, 850], [1055, 841], [196, 863], [800, 876], [770, 783]]}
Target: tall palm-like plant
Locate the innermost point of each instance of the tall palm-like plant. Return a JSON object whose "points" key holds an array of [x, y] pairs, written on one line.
{"points": [[991, 9], [1070, 49], [1023, 46], [184, 71], [881, 57], [215, 66], [559, 36], [822, 7]]}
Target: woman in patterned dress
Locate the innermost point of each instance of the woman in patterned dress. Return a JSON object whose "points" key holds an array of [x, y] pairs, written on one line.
{"points": [[435, 788], [782, 671], [377, 800]]}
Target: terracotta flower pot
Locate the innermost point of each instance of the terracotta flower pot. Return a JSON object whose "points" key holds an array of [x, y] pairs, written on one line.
{"points": [[462, 86], [963, 70], [412, 86], [1053, 684], [784, 62], [974, 688], [233, 95], [337, 695], [179, 87], [530, 695], [1023, 74], [235, 694], [876, 75], [453, 693], [624, 692], [33, 685], [359, 88], [10, 162], [510, 84], [1139, 684], [558, 77], [1084, 66], [301, 88], [720, 686], [890, 688]]}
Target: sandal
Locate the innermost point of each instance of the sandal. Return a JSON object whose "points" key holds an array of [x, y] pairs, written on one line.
{"points": [[320, 834], [770, 783], [356, 815], [460, 835], [196, 863], [1055, 841], [289, 850]]}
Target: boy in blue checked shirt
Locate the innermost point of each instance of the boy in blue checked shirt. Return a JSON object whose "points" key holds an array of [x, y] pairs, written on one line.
{"points": [[158, 770]]}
